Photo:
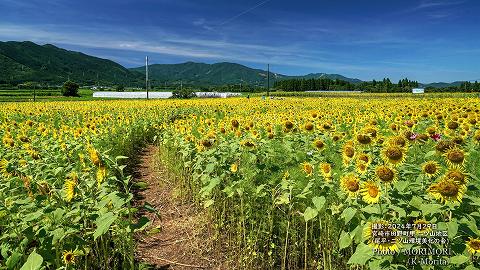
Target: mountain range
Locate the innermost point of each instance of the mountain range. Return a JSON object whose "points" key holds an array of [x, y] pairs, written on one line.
{"points": [[221, 73], [26, 61], [29, 62]]}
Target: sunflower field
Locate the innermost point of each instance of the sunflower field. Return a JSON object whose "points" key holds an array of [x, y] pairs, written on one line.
{"points": [[298, 183]]}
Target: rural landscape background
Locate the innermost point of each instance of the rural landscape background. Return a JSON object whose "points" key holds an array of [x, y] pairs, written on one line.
{"points": [[239, 135]]}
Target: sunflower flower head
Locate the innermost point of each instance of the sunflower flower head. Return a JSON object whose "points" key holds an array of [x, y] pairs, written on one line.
{"points": [[386, 174], [234, 167], [431, 168], [447, 190], [350, 185], [393, 154], [69, 189], [455, 157], [370, 192], [326, 170], [473, 246], [68, 257], [307, 168]]}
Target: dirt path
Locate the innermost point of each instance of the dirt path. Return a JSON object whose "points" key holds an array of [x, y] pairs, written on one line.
{"points": [[181, 238]]}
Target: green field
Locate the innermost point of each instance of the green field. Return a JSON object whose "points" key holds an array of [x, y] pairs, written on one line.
{"points": [[26, 95]]}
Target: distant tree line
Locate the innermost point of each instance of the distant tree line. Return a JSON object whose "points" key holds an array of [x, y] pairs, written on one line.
{"points": [[386, 86], [325, 84]]}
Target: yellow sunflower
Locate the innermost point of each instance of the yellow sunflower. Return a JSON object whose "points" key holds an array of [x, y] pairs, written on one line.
{"points": [[307, 168], [308, 126], [94, 157], [397, 141], [386, 174], [326, 170], [4, 167], [350, 184], [457, 175], [69, 190], [319, 144], [362, 167], [447, 190], [288, 125], [248, 143], [234, 167], [370, 192], [381, 236], [473, 246], [431, 168], [364, 139], [364, 157], [455, 157], [348, 152], [101, 174], [68, 257], [393, 154]]}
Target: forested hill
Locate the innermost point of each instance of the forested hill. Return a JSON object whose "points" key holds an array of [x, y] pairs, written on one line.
{"points": [[22, 62], [202, 74]]}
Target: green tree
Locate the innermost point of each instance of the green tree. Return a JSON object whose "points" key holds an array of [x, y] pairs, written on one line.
{"points": [[70, 89], [183, 93], [120, 88]]}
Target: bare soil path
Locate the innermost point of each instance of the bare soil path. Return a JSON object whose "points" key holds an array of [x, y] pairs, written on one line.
{"points": [[180, 238]]}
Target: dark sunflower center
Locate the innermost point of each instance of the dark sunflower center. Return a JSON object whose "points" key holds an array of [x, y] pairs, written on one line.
{"points": [[349, 152], [430, 168], [456, 156], [475, 244], [363, 139], [235, 123], [394, 154], [448, 189], [362, 167], [385, 174], [352, 186], [319, 144], [400, 141], [288, 125], [456, 176], [249, 144], [364, 158], [206, 143], [452, 125], [308, 126], [443, 146], [373, 191]]}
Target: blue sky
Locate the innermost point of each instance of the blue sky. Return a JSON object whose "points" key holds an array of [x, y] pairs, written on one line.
{"points": [[425, 40]]}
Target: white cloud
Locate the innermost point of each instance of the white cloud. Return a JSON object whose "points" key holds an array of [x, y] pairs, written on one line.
{"points": [[426, 4]]}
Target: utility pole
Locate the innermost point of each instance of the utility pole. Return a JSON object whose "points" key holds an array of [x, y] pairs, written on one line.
{"points": [[268, 80], [146, 74]]}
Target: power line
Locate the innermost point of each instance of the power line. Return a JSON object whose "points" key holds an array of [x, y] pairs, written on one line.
{"points": [[244, 12]]}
